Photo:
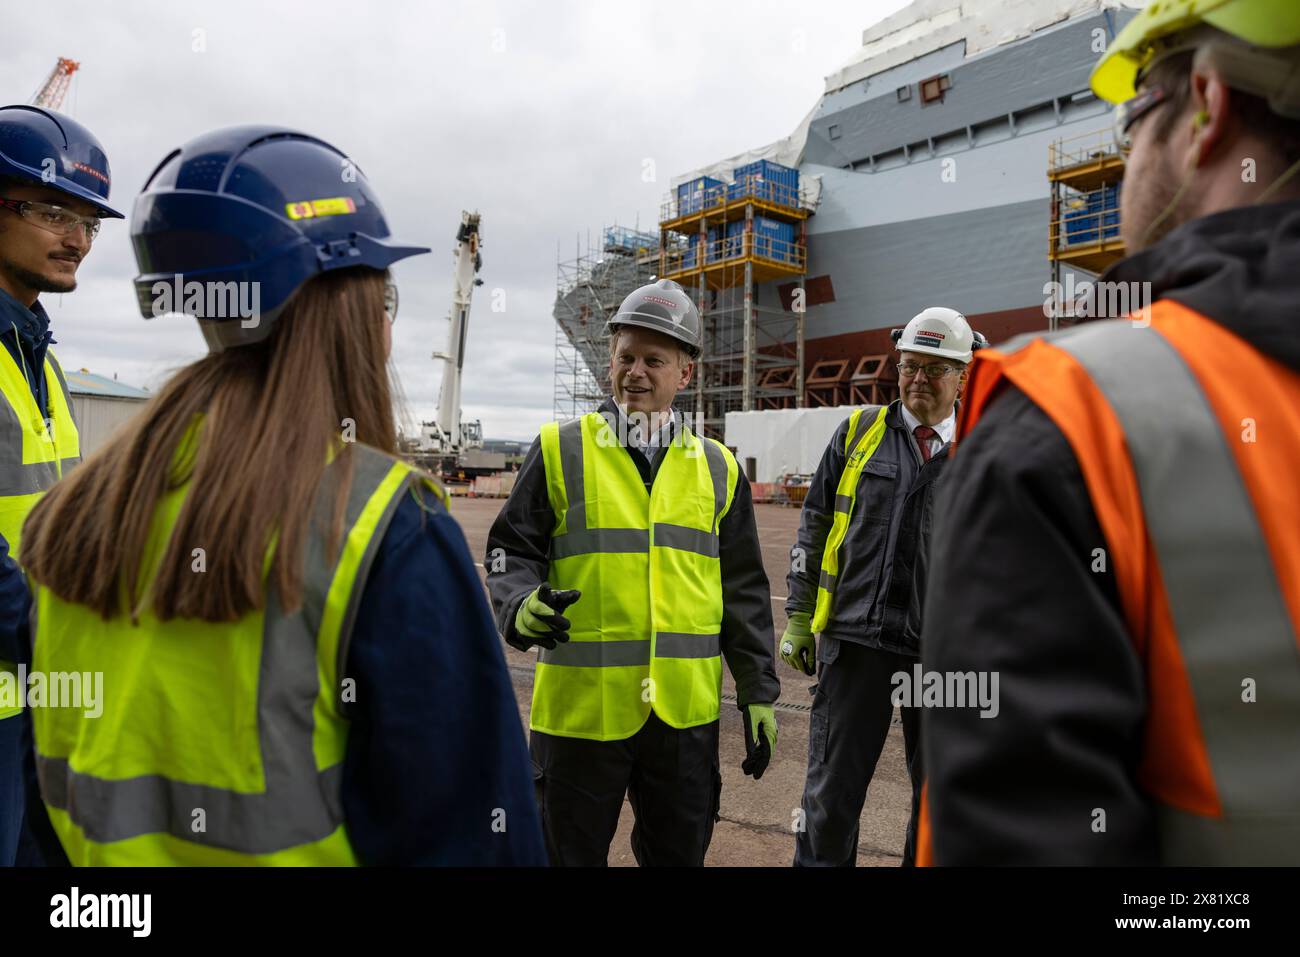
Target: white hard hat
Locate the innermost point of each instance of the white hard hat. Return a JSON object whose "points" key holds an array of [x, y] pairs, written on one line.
{"points": [[665, 307], [937, 331]]}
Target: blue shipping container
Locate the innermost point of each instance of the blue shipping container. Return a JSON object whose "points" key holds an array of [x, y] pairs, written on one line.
{"points": [[1094, 216], [767, 170], [697, 185], [1081, 226], [774, 228], [702, 191], [765, 190]]}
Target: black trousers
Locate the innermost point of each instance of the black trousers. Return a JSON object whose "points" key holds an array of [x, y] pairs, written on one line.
{"points": [[670, 776], [847, 731]]}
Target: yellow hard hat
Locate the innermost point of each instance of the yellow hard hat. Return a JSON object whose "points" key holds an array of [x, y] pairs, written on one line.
{"points": [[1261, 23]]}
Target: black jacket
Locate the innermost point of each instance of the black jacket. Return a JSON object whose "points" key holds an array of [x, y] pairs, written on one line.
{"points": [[519, 543], [1013, 589], [883, 561]]}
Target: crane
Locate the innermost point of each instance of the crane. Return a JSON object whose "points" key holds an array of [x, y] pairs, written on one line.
{"points": [[55, 88], [455, 446]]}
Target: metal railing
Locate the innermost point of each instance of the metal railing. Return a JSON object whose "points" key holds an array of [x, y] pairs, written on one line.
{"points": [[1082, 222], [718, 198], [1084, 148], [735, 249]]}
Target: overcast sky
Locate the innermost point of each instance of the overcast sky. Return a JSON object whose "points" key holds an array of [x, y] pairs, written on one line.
{"points": [[539, 115]]}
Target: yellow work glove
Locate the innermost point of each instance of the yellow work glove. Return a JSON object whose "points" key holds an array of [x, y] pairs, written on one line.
{"points": [[760, 738], [540, 621], [798, 646]]}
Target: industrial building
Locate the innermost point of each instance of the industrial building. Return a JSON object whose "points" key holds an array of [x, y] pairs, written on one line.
{"points": [[101, 406]]}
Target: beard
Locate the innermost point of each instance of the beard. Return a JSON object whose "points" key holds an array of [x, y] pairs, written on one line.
{"points": [[34, 280], [1159, 190]]}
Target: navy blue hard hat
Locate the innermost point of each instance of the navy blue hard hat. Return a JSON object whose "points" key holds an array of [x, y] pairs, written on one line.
{"points": [[50, 149], [260, 206]]}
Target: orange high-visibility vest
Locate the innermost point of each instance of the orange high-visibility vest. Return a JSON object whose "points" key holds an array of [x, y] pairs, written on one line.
{"points": [[1188, 439]]}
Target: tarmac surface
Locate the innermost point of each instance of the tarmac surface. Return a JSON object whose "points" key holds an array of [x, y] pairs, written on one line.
{"points": [[756, 816]]}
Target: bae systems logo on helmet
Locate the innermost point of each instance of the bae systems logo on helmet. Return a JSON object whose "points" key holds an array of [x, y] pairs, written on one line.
{"points": [[662, 302], [90, 171], [927, 338]]}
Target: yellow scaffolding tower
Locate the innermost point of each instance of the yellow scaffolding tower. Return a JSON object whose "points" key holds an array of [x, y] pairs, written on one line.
{"points": [[754, 353], [1084, 230]]}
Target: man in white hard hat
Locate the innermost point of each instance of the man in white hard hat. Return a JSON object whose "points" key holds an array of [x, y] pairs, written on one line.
{"points": [[857, 579], [628, 555]]}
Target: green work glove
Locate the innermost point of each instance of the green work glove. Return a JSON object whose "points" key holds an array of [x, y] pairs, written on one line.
{"points": [[760, 738], [540, 621], [798, 646]]}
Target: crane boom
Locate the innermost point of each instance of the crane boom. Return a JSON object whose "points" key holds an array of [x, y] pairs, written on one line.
{"points": [[450, 447], [468, 261], [55, 88]]}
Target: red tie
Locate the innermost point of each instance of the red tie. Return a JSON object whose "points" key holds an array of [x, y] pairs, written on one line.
{"points": [[923, 435]]}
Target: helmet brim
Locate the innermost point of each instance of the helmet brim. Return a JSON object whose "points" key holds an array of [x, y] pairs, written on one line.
{"points": [[962, 357], [655, 324], [61, 185], [1115, 77]]}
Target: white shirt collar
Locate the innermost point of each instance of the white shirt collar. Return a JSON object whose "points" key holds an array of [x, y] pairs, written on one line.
{"points": [[662, 436], [946, 428]]}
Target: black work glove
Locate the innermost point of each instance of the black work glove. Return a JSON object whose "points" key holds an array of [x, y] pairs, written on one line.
{"points": [[760, 738], [540, 621]]}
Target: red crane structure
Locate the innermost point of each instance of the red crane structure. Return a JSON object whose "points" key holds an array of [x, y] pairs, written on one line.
{"points": [[51, 94]]}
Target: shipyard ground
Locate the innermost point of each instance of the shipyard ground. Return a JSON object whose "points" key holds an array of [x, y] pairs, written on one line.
{"points": [[756, 817]]}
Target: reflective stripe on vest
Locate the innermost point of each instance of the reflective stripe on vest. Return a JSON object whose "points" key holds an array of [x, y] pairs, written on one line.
{"points": [[1211, 616], [846, 496], [646, 633], [33, 455], [218, 743]]}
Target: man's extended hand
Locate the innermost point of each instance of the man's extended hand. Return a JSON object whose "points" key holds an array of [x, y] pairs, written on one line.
{"points": [[540, 621]]}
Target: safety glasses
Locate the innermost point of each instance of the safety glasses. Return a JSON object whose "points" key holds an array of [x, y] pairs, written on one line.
{"points": [[933, 370], [51, 218], [1130, 111]]}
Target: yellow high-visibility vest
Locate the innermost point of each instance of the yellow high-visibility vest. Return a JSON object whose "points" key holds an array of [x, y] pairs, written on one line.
{"points": [[34, 454], [217, 743], [846, 496], [646, 633]]}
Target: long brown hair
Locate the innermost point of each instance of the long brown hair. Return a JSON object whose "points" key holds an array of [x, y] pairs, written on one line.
{"points": [[271, 413]]}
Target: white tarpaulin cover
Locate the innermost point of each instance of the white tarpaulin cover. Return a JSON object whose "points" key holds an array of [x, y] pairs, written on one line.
{"points": [[787, 151], [783, 441]]}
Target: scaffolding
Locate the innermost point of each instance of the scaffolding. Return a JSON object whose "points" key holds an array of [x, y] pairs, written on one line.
{"points": [[709, 241], [589, 289], [1085, 173]]}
